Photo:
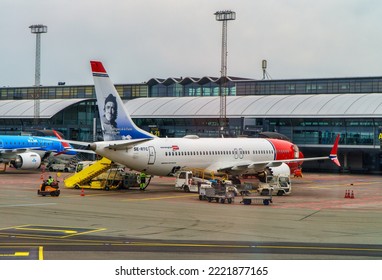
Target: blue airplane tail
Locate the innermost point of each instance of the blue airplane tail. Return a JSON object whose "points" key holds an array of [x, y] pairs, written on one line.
{"points": [[115, 120]]}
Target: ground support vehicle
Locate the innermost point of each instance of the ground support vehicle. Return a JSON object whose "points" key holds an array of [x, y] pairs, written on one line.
{"points": [[104, 175], [276, 185], [202, 189], [186, 181], [60, 167], [248, 198], [250, 195], [219, 194], [52, 189]]}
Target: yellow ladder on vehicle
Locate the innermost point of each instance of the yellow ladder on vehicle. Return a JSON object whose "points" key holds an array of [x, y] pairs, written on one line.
{"points": [[88, 173]]}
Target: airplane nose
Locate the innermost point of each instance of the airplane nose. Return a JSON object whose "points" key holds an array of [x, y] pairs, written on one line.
{"points": [[92, 146]]}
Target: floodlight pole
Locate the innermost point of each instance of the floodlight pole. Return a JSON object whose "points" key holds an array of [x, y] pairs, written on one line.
{"points": [[223, 16], [37, 29]]}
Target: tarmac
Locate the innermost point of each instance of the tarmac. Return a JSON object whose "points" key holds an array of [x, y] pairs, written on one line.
{"points": [[315, 221]]}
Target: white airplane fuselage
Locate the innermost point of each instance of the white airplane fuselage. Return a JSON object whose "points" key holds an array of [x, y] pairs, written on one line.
{"points": [[162, 156]]}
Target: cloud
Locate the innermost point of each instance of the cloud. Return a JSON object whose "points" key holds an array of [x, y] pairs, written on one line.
{"points": [[139, 40]]}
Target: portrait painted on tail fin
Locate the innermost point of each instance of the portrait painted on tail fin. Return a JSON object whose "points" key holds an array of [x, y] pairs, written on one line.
{"points": [[115, 120], [109, 119]]}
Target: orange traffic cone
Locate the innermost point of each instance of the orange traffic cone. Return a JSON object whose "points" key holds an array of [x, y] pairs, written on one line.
{"points": [[352, 194], [346, 194], [82, 192]]}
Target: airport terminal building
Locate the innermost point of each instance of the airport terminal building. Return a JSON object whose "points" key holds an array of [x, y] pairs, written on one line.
{"points": [[310, 112]]}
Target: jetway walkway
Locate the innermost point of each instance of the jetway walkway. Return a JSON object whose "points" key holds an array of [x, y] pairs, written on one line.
{"points": [[84, 177]]}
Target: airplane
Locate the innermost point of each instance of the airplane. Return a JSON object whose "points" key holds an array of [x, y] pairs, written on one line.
{"points": [[127, 144], [27, 152]]}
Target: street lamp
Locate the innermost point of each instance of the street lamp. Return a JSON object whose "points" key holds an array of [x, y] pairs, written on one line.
{"points": [[224, 16], [37, 29]]}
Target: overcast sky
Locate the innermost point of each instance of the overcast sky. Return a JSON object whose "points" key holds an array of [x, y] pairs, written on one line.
{"points": [[142, 39]]}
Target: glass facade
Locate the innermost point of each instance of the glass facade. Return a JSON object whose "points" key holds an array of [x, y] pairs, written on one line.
{"points": [[311, 86], [205, 86]]}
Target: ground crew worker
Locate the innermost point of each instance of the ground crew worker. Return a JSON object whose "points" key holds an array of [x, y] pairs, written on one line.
{"points": [[142, 185], [49, 181]]}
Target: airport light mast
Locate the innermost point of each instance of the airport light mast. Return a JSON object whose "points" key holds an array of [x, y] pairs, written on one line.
{"points": [[224, 16], [37, 29]]}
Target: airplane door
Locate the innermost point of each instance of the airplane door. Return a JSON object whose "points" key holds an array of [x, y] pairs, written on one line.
{"points": [[151, 155]]}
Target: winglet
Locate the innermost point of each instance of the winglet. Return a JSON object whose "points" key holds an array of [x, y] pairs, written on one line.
{"points": [[333, 152]]}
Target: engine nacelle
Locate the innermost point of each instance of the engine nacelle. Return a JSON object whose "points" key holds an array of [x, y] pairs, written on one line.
{"points": [[282, 169], [279, 170], [29, 160]]}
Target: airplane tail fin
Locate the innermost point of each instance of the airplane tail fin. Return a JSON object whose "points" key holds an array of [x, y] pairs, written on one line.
{"points": [[115, 120], [333, 152], [66, 145], [67, 148]]}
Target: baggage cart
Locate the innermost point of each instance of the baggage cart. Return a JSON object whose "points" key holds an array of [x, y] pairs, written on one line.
{"points": [[219, 194]]}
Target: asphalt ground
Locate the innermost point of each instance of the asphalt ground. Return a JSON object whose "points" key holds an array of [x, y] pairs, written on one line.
{"points": [[315, 222]]}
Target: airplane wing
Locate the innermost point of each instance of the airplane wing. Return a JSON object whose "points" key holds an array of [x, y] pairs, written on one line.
{"points": [[260, 165], [255, 166]]}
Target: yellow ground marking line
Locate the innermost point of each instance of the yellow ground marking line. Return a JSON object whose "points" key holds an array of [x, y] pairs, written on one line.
{"points": [[41, 253], [16, 254], [84, 232], [46, 230], [158, 198], [1, 229]]}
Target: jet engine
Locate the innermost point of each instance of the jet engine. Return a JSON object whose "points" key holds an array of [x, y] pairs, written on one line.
{"points": [[273, 170], [29, 160]]}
